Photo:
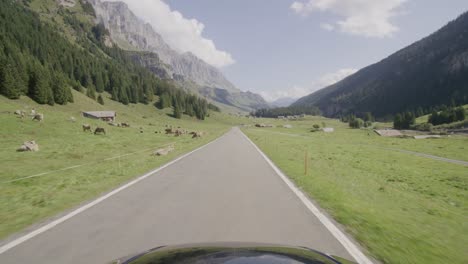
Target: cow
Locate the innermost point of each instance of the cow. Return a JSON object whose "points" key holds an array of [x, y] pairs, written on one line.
{"points": [[169, 131], [86, 127], [99, 130], [38, 117], [197, 135], [178, 133], [124, 124]]}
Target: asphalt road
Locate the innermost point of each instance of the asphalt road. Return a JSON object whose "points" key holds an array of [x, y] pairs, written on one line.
{"points": [[223, 192]]}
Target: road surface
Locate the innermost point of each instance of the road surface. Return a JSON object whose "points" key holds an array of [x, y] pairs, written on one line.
{"points": [[225, 191]]}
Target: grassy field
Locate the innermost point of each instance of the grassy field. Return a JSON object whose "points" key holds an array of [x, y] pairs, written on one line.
{"points": [[63, 144], [403, 208]]}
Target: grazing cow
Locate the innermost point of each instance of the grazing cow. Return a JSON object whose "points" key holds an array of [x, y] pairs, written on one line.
{"points": [[197, 135], [169, 131], [99, 130], [178, 133], [38, 117], [124, 124], [86, 127]]}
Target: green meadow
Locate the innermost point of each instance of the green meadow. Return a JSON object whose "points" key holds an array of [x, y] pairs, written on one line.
{"points": [[102, 162], [403, 208]]}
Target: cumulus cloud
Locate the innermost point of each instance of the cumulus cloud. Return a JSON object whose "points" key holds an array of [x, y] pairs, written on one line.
{"points": [[182, 34], [298, 91], [369, 18]]}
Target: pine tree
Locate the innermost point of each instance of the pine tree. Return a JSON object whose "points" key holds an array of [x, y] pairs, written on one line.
{"points": [[99, 83], [177, 111], [91, 92], [100, 100], [60, 90], [123, 96], [39, 86], [8, 85]]}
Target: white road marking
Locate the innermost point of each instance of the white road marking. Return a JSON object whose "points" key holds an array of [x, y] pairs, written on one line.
{"points": [[52, 224], [353, 250]]}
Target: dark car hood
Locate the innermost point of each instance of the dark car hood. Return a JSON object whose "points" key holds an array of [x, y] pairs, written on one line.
{"points": [[231, 253]]}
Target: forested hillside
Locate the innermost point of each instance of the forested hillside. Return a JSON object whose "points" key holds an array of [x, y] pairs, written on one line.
{"points": [[420, 78], [39, 61]]}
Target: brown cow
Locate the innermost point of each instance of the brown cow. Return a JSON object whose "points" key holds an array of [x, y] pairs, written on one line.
{"points": [[178, 133], [99, 130], [86, 127], [197, 135], [124, 125], [38, 117], [169, 131]]}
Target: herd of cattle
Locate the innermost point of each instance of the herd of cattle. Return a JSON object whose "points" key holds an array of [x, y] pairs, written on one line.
{"points": [[169, 130], [100, 130], [179, 132], [33, 146]]}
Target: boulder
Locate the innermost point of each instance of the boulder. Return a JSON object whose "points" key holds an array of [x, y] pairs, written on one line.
{"points": [[163, 151]]}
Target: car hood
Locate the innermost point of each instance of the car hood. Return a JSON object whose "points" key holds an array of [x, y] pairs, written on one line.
{"points": [[231, 253]]}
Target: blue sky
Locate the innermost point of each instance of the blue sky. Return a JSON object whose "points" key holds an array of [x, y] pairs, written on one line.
{"points": [[293, 47]]}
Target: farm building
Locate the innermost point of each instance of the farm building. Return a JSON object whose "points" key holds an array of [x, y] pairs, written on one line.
{"points": [[388, 133], [107, 116]]}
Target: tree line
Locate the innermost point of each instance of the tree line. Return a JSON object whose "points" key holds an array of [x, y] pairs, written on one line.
{"points": [[37, 61], [447, 116], [285, 111]]}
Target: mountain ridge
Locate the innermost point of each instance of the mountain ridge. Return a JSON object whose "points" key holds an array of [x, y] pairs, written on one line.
{"points": [[404, 80], [130, 32]]}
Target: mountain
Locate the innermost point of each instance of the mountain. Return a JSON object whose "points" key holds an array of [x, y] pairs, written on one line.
{"points": [[131, 33], [429, 73], [283, 102]]}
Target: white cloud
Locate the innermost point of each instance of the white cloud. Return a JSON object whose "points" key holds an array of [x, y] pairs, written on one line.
{"points": [[182, 34], [298, 91], [327, 26], [369, 18]]}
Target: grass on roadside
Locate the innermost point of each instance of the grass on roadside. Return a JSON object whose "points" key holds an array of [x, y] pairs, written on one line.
{"points": [[63, 144], [403, 208]]}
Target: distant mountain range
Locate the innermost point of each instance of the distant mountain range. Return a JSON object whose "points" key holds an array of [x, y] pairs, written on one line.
{"points": [[428, 73], [283, 102], [131, 33]]}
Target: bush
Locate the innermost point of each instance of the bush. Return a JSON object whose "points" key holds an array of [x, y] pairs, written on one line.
{"points": [[356, 123], [404, 121], [447, 116], [422, 127], [316, 126]]}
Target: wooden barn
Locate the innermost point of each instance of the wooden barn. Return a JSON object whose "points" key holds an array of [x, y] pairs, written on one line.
{"points": [[108, 116]]}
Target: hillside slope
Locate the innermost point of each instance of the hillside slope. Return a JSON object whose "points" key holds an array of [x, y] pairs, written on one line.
{"points": [[47, 47], [428, 73]]}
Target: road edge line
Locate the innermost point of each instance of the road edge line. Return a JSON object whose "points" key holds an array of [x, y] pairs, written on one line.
{"points": [[40, 230], [353, 250]]}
